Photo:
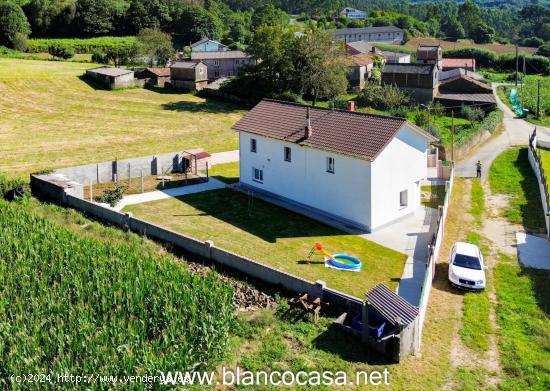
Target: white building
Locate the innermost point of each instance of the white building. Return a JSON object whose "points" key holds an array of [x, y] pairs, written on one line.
{"points": [[387, 34], [352, 13], [208, 45], [360, 169]]}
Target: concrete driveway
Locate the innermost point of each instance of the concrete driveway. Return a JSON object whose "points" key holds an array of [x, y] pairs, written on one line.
{"points": [[516, 132], [410, 236]]}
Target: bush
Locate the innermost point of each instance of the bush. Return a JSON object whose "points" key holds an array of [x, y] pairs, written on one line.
{"points": [[484, 58], [60, 51], [112, 196], [383, 97], [12, 22], [532, 42], [474, 114], [99, 57], [287, 96], [399, 111], [492, 120], [544, 50], [20, 42], [9, 184], [421, 118], [534, 64], [433, 130]]}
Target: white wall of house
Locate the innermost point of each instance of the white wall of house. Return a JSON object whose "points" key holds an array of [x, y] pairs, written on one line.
{"points": [[209, 46], [399, 167], [344, 193]]}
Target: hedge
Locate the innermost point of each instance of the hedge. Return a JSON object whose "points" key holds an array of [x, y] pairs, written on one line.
{"points": [[79, 45]]}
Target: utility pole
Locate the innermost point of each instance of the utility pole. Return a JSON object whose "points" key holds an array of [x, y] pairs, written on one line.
{"points": [[538, 99], [517, 65], [453, 136]]}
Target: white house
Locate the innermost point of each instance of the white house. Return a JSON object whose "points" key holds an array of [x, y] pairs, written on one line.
{"points": [[388, 34], [208, 45], [363, 170], [351, 13]]}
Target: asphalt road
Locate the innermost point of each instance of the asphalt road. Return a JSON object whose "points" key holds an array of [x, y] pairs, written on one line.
{"points": [[516, 132]]}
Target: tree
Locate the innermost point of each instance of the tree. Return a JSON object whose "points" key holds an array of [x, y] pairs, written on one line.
{"points": [[121, 55], [269, 15], [452, 28], [482, 34], [94, 17], [50, 16], [144, 14], [12, 22], [195, 23], [469, 16], [544, 50], [474, 114], [155, 45], [323, 66]]}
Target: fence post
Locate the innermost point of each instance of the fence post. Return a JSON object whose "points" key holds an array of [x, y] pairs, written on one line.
{"points": [[141, 173]]}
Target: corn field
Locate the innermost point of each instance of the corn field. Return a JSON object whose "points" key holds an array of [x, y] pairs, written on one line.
{"points": [[70, 304]]}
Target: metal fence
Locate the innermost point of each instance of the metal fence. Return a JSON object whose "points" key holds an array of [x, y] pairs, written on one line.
{"points": [[536, 165]]}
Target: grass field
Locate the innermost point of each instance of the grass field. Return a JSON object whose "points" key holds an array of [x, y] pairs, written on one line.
{"points": [[51, 118], [528, 94], [275, 236], [466, 43], [545, 159], [512, 176]]}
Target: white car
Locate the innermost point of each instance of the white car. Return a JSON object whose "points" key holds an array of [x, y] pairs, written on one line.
{"points": [[466, 267]]}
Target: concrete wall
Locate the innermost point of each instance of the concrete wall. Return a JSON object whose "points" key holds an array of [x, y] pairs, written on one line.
{"points": [[432, 259], [540, 174], [110, 170], [401, 166], [305, 179]]}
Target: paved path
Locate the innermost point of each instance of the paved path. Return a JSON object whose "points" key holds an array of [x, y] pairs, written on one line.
{"points": [[225, 157], [133, 199], [533, 251], [516, 132], [410, 236]]}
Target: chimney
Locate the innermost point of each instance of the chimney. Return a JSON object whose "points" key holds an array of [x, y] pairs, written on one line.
{"points": [[351, 105], [308, 129]]}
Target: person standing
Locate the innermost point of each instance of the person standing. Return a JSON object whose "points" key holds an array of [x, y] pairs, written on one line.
{"points": [[478, 169]]}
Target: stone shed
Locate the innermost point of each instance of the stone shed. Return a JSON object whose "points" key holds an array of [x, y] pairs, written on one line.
{"points": [[157, 77], [192, 75], [111, 77]]}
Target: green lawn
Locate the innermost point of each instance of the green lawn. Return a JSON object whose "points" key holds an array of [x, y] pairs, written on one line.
{"points": [[227, 172], [50, 117], [523, 315], [511, 175], [275, 236], [545, 159]]}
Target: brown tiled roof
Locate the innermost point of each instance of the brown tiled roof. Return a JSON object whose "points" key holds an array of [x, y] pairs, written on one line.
{"points": [[160, 72], [459, 62], [355, 134], [362, 59]]}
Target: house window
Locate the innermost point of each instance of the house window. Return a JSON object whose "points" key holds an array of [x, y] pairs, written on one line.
{"points": [[253, 147], [288, 154], [216, 62], [330, 165], [404, 198], [258, 175]]}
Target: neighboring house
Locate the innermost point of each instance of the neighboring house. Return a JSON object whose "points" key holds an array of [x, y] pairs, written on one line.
{"points": [[154, 76], [360, 70], [389, 34], [430, 54], [350, 13], [358, 169], [358, 47], [192, 75], [223, 64], [459, 86], [420, 81], [112, 78], [468, 64], [208, 45]]}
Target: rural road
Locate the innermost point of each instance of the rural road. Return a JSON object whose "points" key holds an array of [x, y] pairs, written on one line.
{"points": [[516, 132]]}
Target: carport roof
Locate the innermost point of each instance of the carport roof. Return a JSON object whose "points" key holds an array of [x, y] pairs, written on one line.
{"points": [[391, 306]]}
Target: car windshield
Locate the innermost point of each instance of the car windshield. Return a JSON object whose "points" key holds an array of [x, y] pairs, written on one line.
{"points": [[467, 262]]}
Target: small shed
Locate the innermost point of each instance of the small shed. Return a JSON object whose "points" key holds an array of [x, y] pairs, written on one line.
{"points": [[419, 80], [430, 54], [390, 324], [191, 75], [154, 76], [360, 70], [111, 77]]}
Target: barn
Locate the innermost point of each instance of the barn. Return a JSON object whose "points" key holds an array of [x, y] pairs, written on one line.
{"points": [[111, 77]]}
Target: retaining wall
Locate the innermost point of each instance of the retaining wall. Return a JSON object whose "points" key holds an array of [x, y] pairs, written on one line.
{"points": [[534, 161], [435, 248]]}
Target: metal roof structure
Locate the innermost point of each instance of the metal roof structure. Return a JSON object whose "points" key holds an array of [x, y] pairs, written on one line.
{"points": [[110, 71], [368, 30], [391, 306]]}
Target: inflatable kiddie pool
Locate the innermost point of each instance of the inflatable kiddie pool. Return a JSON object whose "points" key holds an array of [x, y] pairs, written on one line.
{"points": [[345, 261]]}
